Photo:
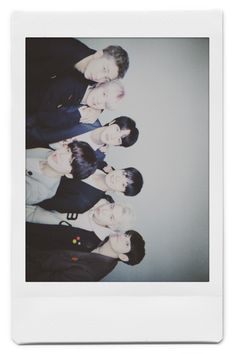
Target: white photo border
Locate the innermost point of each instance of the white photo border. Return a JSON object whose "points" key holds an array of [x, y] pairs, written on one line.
{"points": [[166, 312]]}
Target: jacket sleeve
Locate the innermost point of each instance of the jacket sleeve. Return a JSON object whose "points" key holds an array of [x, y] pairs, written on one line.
{"points": [[61, 118], [63, 204], [100, 159], [73, 274]]}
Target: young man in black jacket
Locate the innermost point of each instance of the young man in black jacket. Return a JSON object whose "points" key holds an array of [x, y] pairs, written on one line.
{"points": [[72, 266]]}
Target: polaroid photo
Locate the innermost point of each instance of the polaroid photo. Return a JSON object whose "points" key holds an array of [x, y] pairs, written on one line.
{"points": [[117, 213]]}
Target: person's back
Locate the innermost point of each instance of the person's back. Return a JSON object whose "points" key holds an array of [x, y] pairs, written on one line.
{"points": [[50, 57]]}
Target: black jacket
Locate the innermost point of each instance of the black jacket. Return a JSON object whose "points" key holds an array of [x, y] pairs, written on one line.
{"points": [[74, 196], [60, 237], [48, 59], [64, 265]]}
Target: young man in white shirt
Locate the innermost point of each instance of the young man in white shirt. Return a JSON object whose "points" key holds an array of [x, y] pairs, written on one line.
{"points": [[102, 217]]}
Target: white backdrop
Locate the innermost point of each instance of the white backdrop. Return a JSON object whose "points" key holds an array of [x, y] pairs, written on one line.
{"points": [[167, 95]]}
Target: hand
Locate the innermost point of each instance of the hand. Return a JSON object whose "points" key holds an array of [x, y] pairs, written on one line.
{"points": [[88, 114], [108, 168], [104, 148]]}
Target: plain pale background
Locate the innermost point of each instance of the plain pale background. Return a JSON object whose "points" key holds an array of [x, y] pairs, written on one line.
{"points": [[228, 345], [167, 96]]}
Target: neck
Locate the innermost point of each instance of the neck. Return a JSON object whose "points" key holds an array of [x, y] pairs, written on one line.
{"points": [[96, 135], [85, 97], [100, 182], [82, 64], [48, 170], [106, 250]]}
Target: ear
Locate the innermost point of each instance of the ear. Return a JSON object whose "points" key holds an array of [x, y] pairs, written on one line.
{"points": [[68, 141], [98, 54], [69, 175], [123, 257]]}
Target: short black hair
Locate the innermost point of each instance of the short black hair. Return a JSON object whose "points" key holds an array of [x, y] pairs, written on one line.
{"points": [[121, 58], [136, 184], [84, 158], [126, 123], [137, 251]]}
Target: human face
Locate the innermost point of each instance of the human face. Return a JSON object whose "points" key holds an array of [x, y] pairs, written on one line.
{"points": [[116, 180], [109, 214], [104, 96], [60, 160], [101, 69], [112, 135], [120, 243]]}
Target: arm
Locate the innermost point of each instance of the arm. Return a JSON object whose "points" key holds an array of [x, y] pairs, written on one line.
{"points": [[63, 204], [35, 191], [59, 119]]}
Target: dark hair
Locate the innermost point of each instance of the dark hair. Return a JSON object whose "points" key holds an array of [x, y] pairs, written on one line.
{"points": [[137, 251], [121, 58], [126, 123], [84, 161], [136, 181]]}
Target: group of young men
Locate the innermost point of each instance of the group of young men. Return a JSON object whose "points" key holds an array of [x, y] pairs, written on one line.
{"points": [[75, 231]]}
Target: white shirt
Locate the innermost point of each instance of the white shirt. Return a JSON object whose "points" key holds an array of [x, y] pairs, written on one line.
{"points": [[85, 221], [38, 185], [82, 137]]}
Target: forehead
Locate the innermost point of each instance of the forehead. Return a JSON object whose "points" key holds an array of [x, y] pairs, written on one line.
{"points": [[118, 211], [113, 126], [118, 172], [109, 61], [123, 238]]}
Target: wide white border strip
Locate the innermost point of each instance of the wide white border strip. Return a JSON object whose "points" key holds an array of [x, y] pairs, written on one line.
{"points": [[31, 300]]}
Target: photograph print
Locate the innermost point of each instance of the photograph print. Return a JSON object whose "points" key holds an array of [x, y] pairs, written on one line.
{"points": [[117, 159]]}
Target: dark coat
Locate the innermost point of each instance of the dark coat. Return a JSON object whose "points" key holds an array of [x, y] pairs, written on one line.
{"points": [[42, 137], [74, 196], [49, 105], [48, 59], [54, 237], [63, 265]]}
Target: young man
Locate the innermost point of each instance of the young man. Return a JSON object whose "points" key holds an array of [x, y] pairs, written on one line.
{"points": [[44, 168], [67, 101], [75, 196], [121, 131], [99, 219], [59, 265], [47, 58]]}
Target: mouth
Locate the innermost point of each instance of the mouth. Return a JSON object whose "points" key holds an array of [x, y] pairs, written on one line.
{"points": [[55, 157]]}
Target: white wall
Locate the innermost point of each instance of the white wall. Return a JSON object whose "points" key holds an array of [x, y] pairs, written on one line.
{"points": [[167, 95]]}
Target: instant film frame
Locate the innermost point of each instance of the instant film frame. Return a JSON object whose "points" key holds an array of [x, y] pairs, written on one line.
{"points": [[165, 311]]}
